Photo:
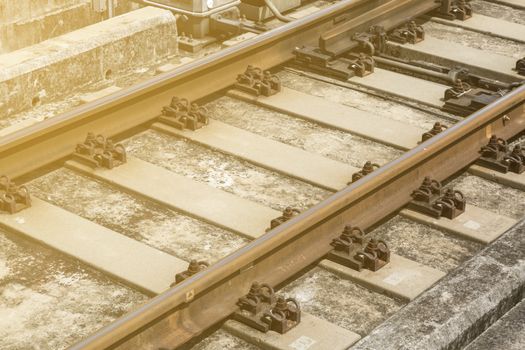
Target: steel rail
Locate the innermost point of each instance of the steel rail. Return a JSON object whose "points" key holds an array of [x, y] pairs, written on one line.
{"points": [[51, 140], [211, 295], [184, 311]]}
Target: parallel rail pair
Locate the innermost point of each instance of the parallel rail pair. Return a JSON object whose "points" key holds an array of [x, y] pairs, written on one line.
{"points": [[194, 305]]}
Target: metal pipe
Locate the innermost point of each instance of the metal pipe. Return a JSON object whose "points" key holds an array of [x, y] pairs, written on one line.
{"points": [[276, 12], [191, 13], [111, 9], [414, 69]]}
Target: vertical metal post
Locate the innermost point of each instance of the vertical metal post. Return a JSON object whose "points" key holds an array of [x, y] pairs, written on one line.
{"points": [[110, 8], [103, 5]]}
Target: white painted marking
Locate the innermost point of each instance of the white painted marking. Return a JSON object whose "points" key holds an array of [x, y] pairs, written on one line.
{"points": [[302, 343], [394, 279], [20, 220], [471, 224], [399, 276]]}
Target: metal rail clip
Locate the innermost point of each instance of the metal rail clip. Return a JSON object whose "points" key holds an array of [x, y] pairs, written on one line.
{"points": [[368, 168], [408, 33], [496, 156], [13, 198], [436, 129], [256, 82], [430, 199], [182, 114], [288, 213], [351, 65], [454, 9], [193, 268], [263, 310], [520, 66], [347, 54], [97, 151], [355, 250]]}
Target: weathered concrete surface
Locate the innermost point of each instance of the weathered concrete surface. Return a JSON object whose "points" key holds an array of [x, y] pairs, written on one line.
{"points": [[358, 122], [475, 223], [23, 10], [135, 263], [463, 304], [32, 24], [509, 179], [220, 340], [298, 132], [276, 156], [27, 22], [509, 10], [401, 278], [405, 86], [312, 333], [447, 53], [222, 171], [48, 70], [508, 333], [180, 193], [476, 39], [49, 301], [340, 301], [490, 25]]}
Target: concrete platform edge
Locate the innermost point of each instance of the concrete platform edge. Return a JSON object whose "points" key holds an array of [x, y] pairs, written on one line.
{"points": [[463, 304]]}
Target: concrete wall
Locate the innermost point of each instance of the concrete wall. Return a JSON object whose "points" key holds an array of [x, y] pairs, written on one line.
{"points": [[59, 66], [23, 10], [27, 22]]}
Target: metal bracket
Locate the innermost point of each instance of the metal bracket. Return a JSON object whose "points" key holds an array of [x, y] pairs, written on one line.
{"points": [[353, 64], [355, 250], [516, 160], [454, 9], [355, 58], [193, 268], [429, 199], [463, 100], [13, 198], [368, 168], [256, 82], [496, 156], [409, 32], [436, 129], [227, 23], [182, 114], [97, 151], [288, 213], [520, 66], [263, 310]]}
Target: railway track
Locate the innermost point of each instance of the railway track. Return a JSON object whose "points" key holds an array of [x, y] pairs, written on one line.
{"points": [[123, 228]]}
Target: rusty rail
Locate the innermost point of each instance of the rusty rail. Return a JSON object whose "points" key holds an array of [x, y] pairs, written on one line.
{"points": [[184, 311], [286, 250]]}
